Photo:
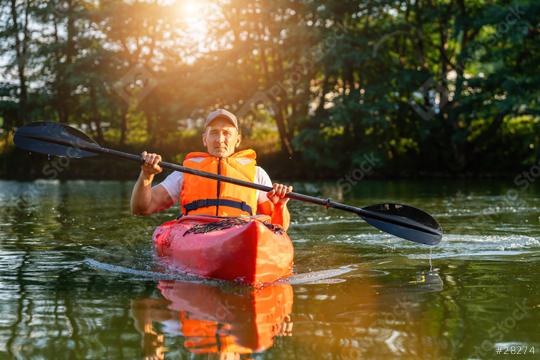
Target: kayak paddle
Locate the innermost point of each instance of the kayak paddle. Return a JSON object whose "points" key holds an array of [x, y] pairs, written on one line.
{"points": [[61, 140]]}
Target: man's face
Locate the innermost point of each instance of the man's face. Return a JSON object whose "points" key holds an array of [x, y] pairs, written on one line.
{"points": [[221, 138]]}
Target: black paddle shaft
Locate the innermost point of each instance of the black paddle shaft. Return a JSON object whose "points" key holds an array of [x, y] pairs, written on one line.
{"points": [[83, 145], [400, 220]]}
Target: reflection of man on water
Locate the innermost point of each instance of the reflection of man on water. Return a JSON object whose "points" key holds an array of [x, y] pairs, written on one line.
{"points": [[214, 320], [144, 312]]}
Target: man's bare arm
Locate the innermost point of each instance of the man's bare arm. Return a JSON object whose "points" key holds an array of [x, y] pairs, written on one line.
{"points": [[146, 199], [276, 206]]}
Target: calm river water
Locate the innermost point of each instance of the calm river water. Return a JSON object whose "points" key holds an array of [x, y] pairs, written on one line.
{"points": [[78, 279]]}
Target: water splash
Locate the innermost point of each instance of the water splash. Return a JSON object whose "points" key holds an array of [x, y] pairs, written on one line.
{"points": [[151, 275], [315, 277]]}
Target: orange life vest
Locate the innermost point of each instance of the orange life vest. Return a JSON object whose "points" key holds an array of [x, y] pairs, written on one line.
{"points": [[202, 196]]}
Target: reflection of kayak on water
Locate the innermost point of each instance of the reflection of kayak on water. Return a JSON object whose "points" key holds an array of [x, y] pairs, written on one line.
{"points": [[215, 319], [214, 316]]}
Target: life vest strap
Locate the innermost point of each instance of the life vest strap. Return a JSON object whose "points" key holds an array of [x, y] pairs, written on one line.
{"points": [[197, 204]]}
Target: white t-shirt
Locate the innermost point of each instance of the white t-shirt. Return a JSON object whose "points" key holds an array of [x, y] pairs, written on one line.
{"points": [[173, 184]]}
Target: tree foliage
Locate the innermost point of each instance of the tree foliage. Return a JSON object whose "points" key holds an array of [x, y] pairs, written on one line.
{"points": [[433, 86]]}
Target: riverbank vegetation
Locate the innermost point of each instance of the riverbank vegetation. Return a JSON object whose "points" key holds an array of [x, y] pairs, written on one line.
{"points": [[444, 88]]}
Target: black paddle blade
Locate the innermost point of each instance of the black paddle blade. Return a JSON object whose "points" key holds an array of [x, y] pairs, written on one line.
{"points": [[405, 222], [53, 139]]}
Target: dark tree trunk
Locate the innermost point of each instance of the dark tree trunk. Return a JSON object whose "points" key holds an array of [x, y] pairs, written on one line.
{"points": [[284, 136], [21, 51], [123, 125], [96, 119]]}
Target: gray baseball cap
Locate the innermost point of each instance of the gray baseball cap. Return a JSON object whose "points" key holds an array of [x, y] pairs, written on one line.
{"points": [[221, 113]]}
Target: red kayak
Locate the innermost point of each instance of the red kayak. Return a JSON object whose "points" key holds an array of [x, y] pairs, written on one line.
{"points": [[249, 250]]}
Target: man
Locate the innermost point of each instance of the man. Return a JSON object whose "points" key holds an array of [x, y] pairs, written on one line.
{"points": [[202, 196]]}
